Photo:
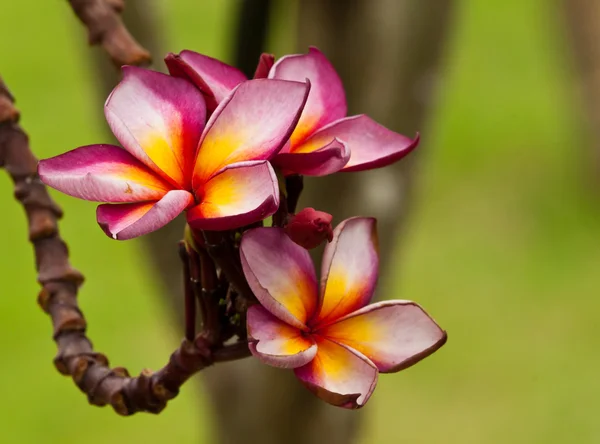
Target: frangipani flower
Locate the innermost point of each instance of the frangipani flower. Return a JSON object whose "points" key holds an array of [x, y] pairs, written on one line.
{"points": [[325, 140], [174, 161], [336, 343]]}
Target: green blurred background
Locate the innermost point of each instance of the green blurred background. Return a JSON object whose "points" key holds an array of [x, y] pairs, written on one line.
{"points": [[501, 247]]}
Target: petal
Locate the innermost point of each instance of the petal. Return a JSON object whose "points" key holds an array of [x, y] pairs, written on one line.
{"points": [[371, 145], [392, 334], [339, 375], [214, 78], [241, 194], [159, 119], [127, 221], [349, 269], [327, 100], [265, 63], [281, 274], [252, 123], [102, 173], [277, 343], [326, 160]]}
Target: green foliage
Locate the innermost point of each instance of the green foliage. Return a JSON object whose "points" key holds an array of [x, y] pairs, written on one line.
{"points": [[502, 248]]}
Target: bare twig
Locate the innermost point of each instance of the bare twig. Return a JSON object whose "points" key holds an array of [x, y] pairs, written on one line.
{"points": [[189, 293], [148, 392], [105, 27]]}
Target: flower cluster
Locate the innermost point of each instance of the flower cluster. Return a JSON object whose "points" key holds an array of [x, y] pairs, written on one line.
{"points": [[204, 140], [207, 141], [335, 342]]}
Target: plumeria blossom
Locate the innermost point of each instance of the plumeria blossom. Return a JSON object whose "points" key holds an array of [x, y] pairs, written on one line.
{"points": [[334, 340], [174, 160], [325, 139]]}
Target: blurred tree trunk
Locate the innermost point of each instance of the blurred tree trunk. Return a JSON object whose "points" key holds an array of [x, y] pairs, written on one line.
{"points": [[583, 25], [252, 30], [388, 54], [396, 45]]}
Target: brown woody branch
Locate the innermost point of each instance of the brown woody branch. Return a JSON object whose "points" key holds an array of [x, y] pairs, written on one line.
{"points": [[148, 392], [221, 250], [105, 27]]}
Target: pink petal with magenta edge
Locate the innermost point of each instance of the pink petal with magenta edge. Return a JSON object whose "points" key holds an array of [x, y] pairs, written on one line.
{"points": [[252, 123], [371, 145], [159, 119], [102, 173], [349, 269], [277, 343], [392, 334], [327, 100], [326, 160], [339, 375], [126, 221], [281, 275], [240, 194], [214, 78]]}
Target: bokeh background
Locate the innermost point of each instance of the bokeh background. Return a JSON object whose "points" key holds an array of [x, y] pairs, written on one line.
{"points": [[499, 241]]}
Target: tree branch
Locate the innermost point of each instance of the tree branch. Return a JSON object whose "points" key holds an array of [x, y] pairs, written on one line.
{"points": [[105, 27], [148, 392]]}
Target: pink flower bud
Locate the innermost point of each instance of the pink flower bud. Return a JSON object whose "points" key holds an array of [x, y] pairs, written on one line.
{"points": [[265, 63], [309, 228]]}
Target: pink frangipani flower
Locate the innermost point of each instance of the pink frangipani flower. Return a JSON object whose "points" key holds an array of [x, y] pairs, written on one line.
{"points": [[334, 340], [174, 161], [325, 140]]}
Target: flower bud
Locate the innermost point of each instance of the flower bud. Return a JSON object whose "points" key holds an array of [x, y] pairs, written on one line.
{"points": [[309, 228], [265, 63]]}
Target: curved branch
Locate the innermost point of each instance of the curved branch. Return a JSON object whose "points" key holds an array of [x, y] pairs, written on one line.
{"points": [[148, 392], [105, 27]]}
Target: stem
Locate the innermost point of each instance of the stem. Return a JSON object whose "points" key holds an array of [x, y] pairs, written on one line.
{"points": [[210, 298], [219, 246], [189, 296], [294, 185]]}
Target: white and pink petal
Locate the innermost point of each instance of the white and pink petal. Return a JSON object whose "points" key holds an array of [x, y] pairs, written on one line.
{"points": [[126, 221], [102, 173], [326, 160], [159, 119], [349, 269], [276, 343], [281, 275], [240, 194], [392, 334], [371, 145], [339, 375], [327, 100], [214, 78], [252, 123]]}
